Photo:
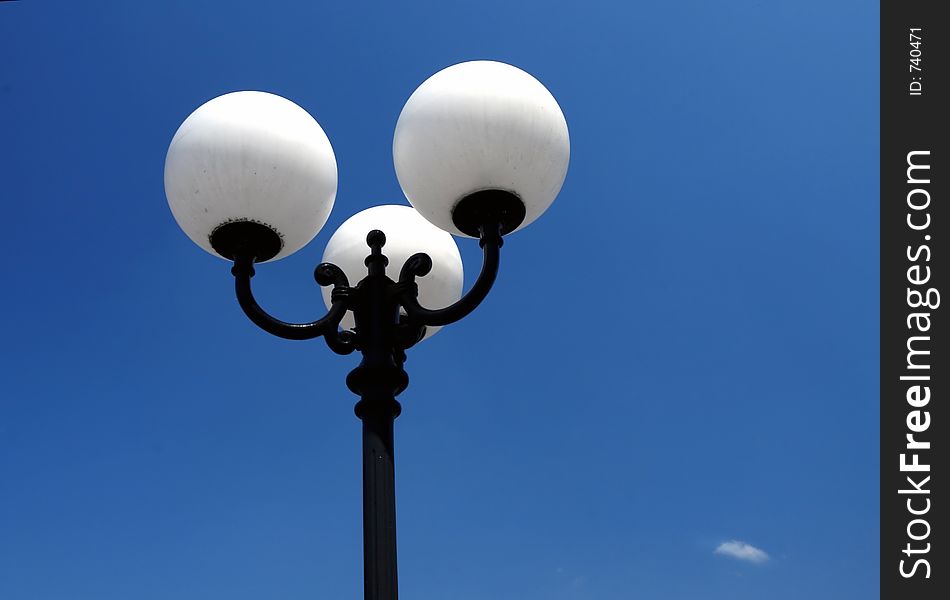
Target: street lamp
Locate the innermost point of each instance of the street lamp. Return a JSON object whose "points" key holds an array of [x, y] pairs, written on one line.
{"points": [[480, 149]]}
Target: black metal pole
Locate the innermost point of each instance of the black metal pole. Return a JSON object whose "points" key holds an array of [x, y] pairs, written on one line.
{"points": [[377, 380], [382, 336], [379, 498]]}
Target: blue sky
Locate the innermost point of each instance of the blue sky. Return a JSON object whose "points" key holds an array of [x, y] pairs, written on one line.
{"points": [[681, 353]]}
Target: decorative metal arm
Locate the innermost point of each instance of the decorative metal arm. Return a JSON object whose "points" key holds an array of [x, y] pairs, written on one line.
{"points": [[382, 335], [325, 274], [420, 264]]}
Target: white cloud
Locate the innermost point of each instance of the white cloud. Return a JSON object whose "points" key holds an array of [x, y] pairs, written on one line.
{"points": [[742, 551]]}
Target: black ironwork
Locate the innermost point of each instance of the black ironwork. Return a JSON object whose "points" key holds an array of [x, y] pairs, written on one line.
{"points": [[228, 238], [496, 206], [389, 320]]}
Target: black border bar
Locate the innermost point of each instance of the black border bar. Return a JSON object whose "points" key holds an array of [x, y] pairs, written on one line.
{"points": [[915, 380]]}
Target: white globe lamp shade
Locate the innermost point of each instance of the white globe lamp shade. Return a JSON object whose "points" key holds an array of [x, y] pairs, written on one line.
{"points": [[475, 129], [407, 233], [250, 168]]}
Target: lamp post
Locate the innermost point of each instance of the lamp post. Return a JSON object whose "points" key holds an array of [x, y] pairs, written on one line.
{"points": [[480, 149]]}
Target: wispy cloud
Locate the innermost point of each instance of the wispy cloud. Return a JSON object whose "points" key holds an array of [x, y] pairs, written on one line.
{"points": [[742, 551]]}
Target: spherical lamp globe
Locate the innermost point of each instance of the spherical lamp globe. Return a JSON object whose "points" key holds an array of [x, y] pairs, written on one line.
{"points": [[250, 171], [406, 234], [479, 136]]}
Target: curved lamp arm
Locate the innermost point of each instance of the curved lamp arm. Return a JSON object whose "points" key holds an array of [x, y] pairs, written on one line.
{"points": [[420, 264], [325, 274], [341, 342]]}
